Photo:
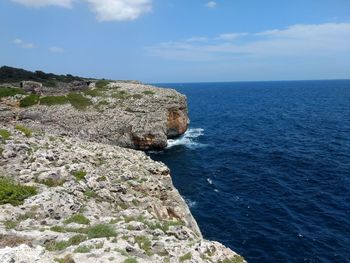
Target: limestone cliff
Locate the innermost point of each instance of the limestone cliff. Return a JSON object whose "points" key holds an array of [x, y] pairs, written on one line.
{"points": [[69, 194], [126, 114]]}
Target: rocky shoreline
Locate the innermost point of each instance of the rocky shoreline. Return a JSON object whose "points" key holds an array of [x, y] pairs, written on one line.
{"points": [[70, 193]]}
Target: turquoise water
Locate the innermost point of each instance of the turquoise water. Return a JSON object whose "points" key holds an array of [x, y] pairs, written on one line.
{"points": [[265, 167]]}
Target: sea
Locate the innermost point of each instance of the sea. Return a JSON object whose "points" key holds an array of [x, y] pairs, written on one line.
{"points": [[265, 167]]}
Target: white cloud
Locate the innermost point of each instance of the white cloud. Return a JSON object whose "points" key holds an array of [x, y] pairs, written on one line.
{"points": [[55, 49], [42, 3], [105, 10], [231, 36], [211, 4], [119, 10], [330, 40], [22, 44], [197, 39]]}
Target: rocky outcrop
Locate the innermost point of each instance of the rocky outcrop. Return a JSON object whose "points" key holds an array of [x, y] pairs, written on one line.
{"points": [[126, 114], [92, 202]]}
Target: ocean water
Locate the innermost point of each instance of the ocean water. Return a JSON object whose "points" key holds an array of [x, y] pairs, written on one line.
{"points": [[265, 167]]}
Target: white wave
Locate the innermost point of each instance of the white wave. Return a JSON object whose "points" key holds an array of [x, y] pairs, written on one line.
{"points": [[187, 139], [190, 203], [209, 181]]}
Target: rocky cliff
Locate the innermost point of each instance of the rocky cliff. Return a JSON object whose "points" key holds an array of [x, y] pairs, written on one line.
{"points": [[126, 114], [69, 194]]}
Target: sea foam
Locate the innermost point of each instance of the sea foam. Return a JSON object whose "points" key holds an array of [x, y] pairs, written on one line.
{"points": [[188, 139]]}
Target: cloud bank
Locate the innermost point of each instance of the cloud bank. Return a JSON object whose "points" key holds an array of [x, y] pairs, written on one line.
{"points": [[105, 10], [329, 40], [23, 44]]}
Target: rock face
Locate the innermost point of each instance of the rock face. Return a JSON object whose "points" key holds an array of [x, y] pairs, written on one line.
{"points": [[93, 203], [32, 87], [126, 114]]}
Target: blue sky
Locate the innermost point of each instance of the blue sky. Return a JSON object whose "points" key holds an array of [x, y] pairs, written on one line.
{"points": [[179, 40]]}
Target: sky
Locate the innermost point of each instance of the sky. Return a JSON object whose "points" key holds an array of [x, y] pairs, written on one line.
{"points": [[179, 40]]}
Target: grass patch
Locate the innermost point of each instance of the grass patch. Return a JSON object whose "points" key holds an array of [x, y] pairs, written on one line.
{"points": [[14, 193], [101, 84], [26, 131], [82, 249], [145, 244], [122, 95], [78, 101], [148, 92], [9, 92], [130, 260], [61, 245], [66, 259], [54, 100], [10, 224], [101, 230], [101, 179], [90, 194], [137, 96], [5, 134], [185, 257], [78, 218], [50, 182], [235, 259], [79, 175], [30, 100]]}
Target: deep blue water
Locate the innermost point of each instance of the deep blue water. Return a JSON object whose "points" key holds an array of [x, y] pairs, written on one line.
{"points": [[265, 167]]}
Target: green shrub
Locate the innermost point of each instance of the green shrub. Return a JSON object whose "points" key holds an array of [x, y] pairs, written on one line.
{"points": [[130, 260], [148, 92], [122, 95], [137, 96], [10, 224], [26, 131], [144, 243], [5, 134], [101, 84], [14, 193], [78, 218], [101, 230], [185, 257], [82, 249], [90, 194], [30, 100], [78, 101], [235, 259], [50, 83], [54, 100], [50, 182], [66, 259], [79, 175], [8, 92], [61, 245]]}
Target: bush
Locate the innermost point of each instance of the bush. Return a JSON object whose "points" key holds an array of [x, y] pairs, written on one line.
{"points": [[82, 249], [185, 257], [61, 245], [144, 243], [78, 101], [148, 92], [29, 101], [101, 230], [9, 92], [101, 84], [14, 193], [27, 132], [79, 175], [130, 260], [54, 100], [4, 134], [78, 218]]}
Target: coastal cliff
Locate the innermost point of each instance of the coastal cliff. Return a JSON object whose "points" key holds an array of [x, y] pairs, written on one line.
{"points": [[69, 193]]}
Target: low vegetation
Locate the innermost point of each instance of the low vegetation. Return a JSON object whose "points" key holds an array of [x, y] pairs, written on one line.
{"points": [[30, 100], [26, 131], [101, 84], [101, 230], [79, 175], [236, 259], [9, 92], [78, 101], [14, 193], [61, 245], [185, 257], [4, 134], [145, 244], [54, 100], [78, 218], [130, 260], [148, 92]]}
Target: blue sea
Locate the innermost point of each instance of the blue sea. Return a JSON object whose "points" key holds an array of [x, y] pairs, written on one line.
{"points": [[265, 167]]}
